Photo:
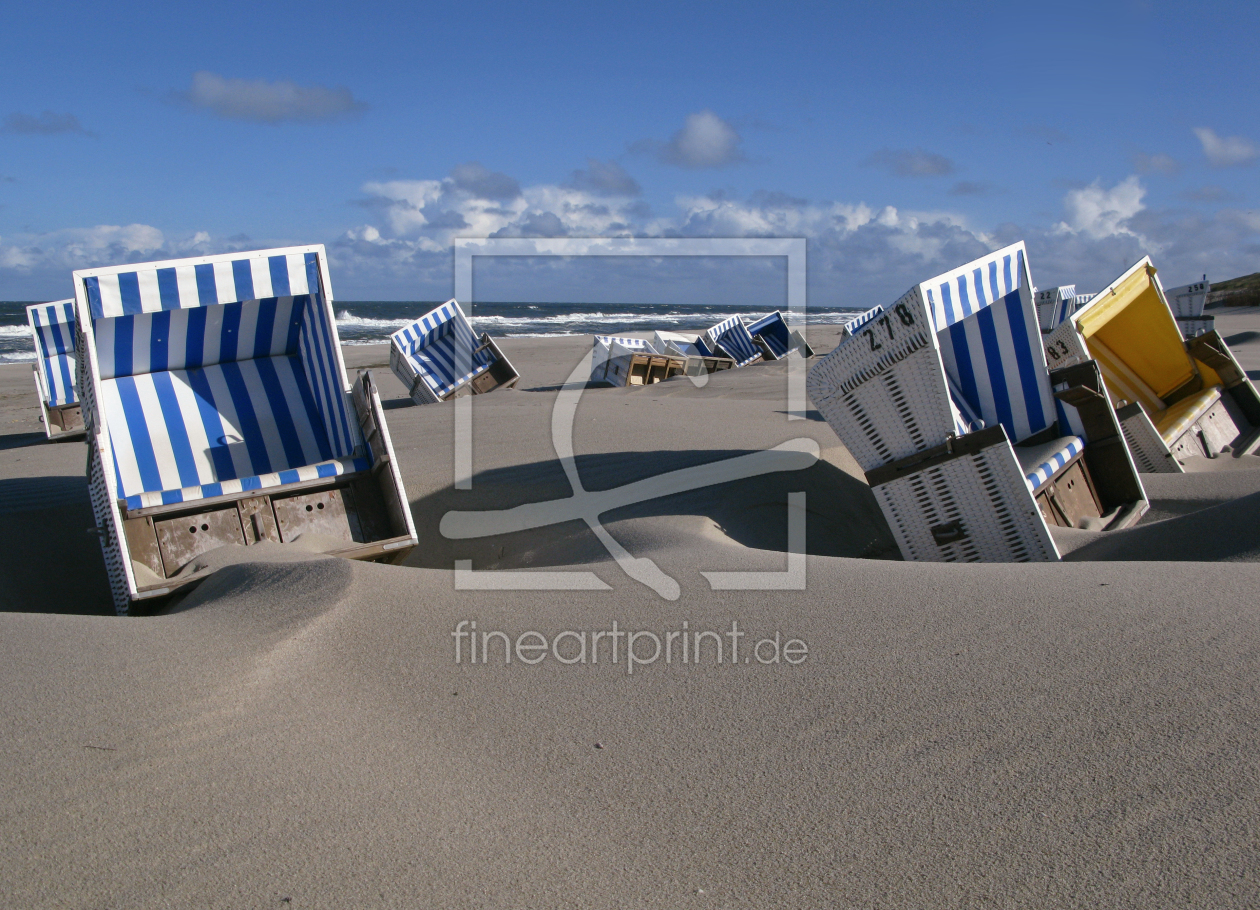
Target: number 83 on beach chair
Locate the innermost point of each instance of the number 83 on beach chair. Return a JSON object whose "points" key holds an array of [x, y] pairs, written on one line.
{"points": [[972, 447]]}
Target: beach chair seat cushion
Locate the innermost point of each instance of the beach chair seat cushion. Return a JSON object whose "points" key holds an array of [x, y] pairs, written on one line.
{"points": [[1041, 462], [186, 434], [1179, 417]]}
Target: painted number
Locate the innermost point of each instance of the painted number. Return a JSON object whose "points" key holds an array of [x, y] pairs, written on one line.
{"points": [[1062, 350], [904, 314]]}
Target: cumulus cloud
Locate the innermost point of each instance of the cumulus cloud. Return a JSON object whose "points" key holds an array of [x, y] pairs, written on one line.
{"points": [[1098, 212], [1155, 164], [910, 162], [476, 179], [604, 178], [705, 141], [260, 101], [46, 124], [1226, 151]]}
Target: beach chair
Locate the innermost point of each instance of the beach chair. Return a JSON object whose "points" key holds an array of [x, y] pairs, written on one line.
{"points": [[970, 445], [1176, 398], [1187, 303], [218, 412], [632, 362], [730, 338], [676, 344], [439, 357], [773, 337], [56, 369], [1053, 306]]}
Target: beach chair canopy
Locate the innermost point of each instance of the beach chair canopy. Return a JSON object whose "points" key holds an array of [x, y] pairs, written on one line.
{"points": [[52, 326], [729, 338], [1054, 305], [442, 350], [682, 344], [777, 339], [218, 375]]}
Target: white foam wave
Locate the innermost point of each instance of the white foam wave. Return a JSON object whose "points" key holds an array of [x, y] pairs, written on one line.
{"points": [[15, 331], [17, 357]]}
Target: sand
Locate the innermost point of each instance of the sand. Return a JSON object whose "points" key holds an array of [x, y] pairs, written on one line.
{"points": [[296, 732]]}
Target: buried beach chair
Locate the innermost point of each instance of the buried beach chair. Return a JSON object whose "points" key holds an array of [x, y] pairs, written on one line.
{"points": [[971, 447], [1175, 398], [439, 357], [56, 369], [772, 335], [218, 412], [632, 362], [676, 344], [730, 338], [1187, 303]]}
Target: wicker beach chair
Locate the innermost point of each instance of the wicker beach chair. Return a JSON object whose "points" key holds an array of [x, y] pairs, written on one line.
{"points": [[1187, 303], [676, 344], [56, 369], [775, 339], [218, 412], [439, 357], [1176, 398], [730, 338], [632, 362], [971, 446]]}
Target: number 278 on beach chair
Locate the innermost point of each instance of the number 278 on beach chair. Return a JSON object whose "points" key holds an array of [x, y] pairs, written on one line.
{"points": [[218, 412], [971, 446]]}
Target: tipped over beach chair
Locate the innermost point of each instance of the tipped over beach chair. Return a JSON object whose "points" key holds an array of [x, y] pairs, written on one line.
{"points": [[632, 362], [218, 412], [676, 344], [730, 338], [775, 339], [1187, 303], [1176, 398], [56, 368], [439, 357], [971, 446]]}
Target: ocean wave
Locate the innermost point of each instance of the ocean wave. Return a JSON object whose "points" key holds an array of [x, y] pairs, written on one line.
{"points": [[15, 331], [17, 356]]}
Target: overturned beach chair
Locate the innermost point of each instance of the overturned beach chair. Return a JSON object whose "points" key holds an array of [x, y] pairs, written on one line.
{"points": [[971, 446], [56, 368], [772, 335], [730, 338], [439, 357], [1187, 303], [676, 344], [218, 412], [1176, 398], [632, 362]]}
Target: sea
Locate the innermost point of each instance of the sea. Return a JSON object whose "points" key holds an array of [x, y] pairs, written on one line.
{"points": [[371, 322]]}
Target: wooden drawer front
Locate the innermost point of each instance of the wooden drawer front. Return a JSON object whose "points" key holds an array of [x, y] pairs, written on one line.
{"points": [[181, 540], [1069, 497], [328, 514]]}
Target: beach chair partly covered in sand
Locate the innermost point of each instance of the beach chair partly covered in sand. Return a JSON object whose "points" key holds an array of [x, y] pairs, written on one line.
{"points": [[677, 344], [1176, 398], [439, 357], [773, 337], [218, 412], [56, 369], [1187, 303], [971, 446], [730, 338], [632, 362]]}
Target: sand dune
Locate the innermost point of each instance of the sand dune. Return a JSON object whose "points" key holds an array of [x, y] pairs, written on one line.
{"points": [[296, 731]]}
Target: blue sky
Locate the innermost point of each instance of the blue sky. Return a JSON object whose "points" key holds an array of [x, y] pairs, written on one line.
{"points": [[900, 139]]}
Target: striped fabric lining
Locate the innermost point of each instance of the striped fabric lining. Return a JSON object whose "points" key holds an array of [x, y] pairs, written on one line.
{"points": [[332, 468], [994, 357], [774, 332], [1039, 476], [853, 325], [1182, 415], [182, 429], [149, 290], [52, 325], [730, 338], [436, 344], [966, 420], [965, 291]]}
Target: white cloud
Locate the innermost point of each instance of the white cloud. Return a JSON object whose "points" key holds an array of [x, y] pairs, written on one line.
{"points": [[1226, 151], [1098, 212], [268, 102], [705, 141]]}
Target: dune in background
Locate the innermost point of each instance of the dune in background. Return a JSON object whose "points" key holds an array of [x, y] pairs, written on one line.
{"points": [[296, 731]]}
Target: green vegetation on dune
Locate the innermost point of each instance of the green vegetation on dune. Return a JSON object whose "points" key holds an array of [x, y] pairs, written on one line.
{"points": [[1245, 283]]}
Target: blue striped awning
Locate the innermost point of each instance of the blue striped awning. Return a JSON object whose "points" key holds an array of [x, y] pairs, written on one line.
{"points": [[52, 325], [730, 338]]}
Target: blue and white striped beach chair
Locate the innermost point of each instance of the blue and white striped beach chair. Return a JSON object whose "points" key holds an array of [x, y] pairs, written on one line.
{"points": [[439, 356], [775, 339], [730, 338], [1176, 397], [218, 412], [56, 369], [676, 344], [971, 446]]}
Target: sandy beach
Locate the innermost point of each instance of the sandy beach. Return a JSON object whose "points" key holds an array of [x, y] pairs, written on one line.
{"points": [[296, 731]]}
